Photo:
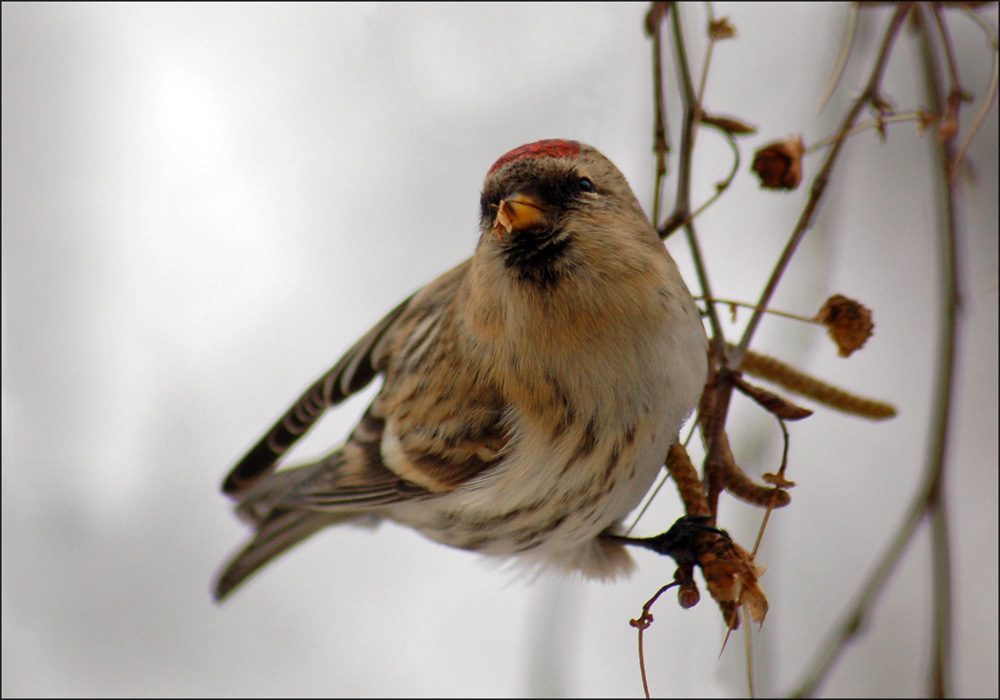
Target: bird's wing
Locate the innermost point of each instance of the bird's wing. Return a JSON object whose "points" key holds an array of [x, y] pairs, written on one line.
{"points": [[353, 372], [371, 355]]}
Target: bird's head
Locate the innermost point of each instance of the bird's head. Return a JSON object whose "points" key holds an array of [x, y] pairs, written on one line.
{"points": [[554, 209]]}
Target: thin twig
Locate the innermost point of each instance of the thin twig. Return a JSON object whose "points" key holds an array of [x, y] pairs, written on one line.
{"points": [[642, 665], [681, 213], [641, 623], [661, 139], [682, 206], [879, 124], [703, 80], [724, 393], [722, 186], [773, 312], [781, 474], [930, 498], [949, 51], [645, 506], [853, 622], [991, 90], [845, 51], [952, 104], [748, 642], [940, 680], [868, 95]]}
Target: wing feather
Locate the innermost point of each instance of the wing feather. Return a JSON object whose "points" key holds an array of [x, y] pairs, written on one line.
{"points": [[354, 371]]}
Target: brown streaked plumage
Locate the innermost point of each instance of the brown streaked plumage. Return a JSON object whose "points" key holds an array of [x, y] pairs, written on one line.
{"points": [[529, 394]]}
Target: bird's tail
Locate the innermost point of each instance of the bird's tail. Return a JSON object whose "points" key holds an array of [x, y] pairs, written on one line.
{"points": [[288, 506], [281, 530], [278, 524]]}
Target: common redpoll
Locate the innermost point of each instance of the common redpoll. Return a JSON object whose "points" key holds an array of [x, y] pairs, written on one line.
{"points": [[529, 394]]}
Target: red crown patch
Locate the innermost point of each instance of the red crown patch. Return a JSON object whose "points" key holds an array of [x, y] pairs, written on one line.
{"points": [[546, 148]]}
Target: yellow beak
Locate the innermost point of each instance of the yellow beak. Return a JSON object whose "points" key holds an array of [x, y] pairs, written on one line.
{"points": [[516, 213]]}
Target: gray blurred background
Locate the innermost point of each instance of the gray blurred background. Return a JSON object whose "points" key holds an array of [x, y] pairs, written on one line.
{"points": [[204, 205]]}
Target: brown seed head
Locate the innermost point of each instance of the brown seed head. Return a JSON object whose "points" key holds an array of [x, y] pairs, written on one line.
{"points": [[731, 578], [847, 321], [721, 29], [779, 164]]}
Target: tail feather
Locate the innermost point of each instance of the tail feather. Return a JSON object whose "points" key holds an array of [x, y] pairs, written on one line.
{"points": [[288, 506], [282, 530]]}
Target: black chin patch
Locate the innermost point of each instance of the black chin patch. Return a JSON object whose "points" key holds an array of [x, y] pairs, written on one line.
{"points": [[536, 255]]}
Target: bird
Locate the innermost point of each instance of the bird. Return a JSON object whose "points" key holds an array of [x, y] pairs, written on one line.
{"points": [[529, 395]]}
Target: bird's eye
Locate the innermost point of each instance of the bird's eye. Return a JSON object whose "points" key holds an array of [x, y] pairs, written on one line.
{"points": [[586, 185]]}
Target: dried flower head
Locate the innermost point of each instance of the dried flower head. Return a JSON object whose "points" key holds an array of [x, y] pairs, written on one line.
{"points": [[779, 164], [731, 578], [721, 29], [847, 321]]}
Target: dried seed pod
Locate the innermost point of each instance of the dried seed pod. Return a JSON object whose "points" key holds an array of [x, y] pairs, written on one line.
{"points": [[848, 322], [779, 164], [687, 590]]}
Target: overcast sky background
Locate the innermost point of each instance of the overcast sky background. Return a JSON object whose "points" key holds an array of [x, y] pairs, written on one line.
{"points": [[204, 205]]}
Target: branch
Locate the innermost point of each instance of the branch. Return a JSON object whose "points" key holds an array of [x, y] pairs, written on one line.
{"points": [[870, 95], [930, 499]]}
